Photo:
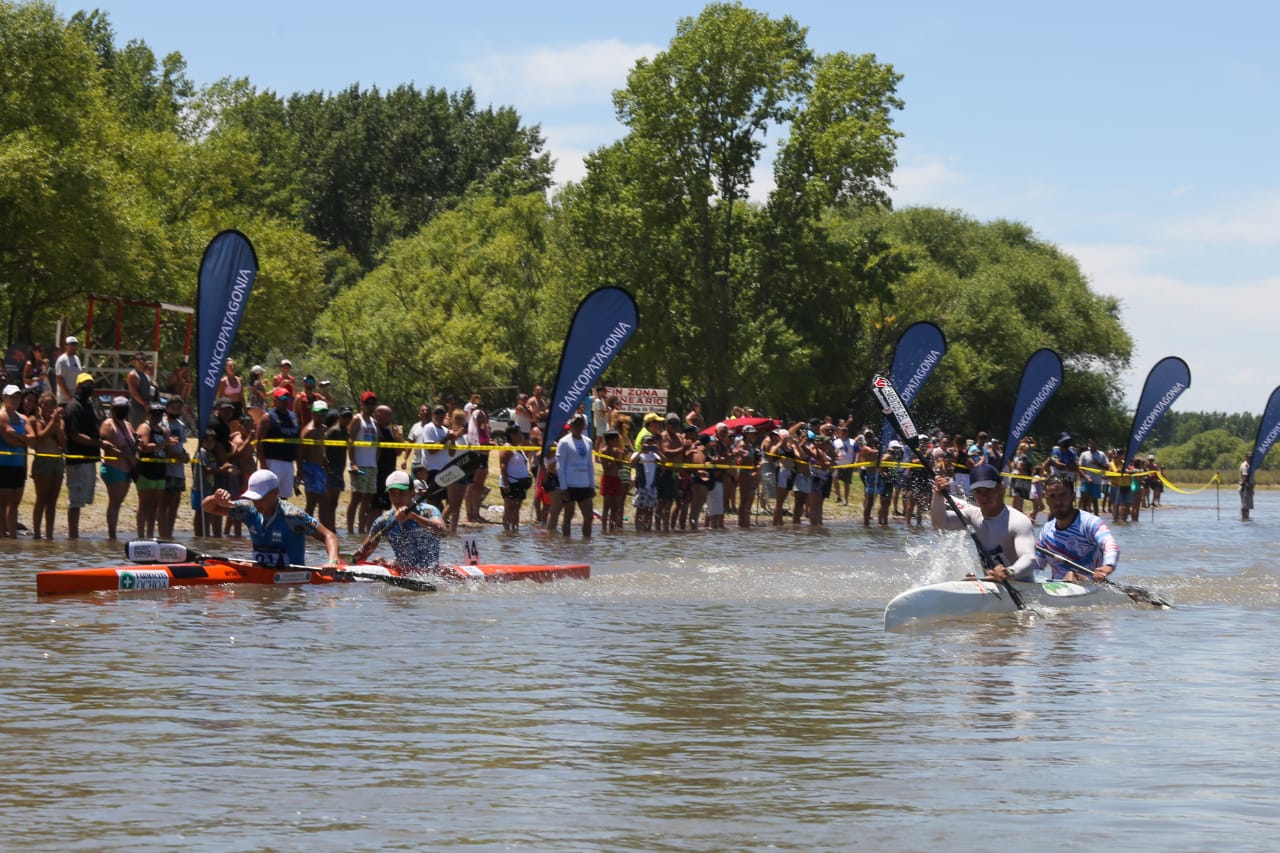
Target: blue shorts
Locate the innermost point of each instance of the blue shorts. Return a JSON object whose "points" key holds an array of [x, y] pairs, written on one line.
{"points": [[1091, 490], [111, 476], [315, 478]]}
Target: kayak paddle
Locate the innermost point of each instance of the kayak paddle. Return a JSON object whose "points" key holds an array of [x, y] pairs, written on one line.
{"points": [[1137, 593]]}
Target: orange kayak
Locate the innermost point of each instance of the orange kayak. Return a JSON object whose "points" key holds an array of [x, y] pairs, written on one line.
{"points": [[215, 571]]}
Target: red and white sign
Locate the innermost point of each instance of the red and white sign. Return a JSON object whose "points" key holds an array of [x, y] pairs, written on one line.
{"points": [[639, 399]]}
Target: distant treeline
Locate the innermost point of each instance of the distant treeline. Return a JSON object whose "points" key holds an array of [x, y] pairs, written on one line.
{"points": [[1206, 441]]}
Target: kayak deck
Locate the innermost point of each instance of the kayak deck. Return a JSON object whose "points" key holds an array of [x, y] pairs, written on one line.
{"points": [[211, 572], [973, 596]]}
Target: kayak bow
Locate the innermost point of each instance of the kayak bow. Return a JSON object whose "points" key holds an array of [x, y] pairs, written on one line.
{"points": [[974, 596]]}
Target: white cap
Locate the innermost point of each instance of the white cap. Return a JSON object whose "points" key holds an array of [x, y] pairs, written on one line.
{"points": [[261, 483], [72, 339], [11, 389], [119, 401], [399, 480], [895, 445]]}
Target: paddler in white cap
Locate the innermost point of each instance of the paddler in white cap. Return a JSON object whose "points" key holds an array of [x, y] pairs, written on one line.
{"points": [[412, 526], [277, 528]]}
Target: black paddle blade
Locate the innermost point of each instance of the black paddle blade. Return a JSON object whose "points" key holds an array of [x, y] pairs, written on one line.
{"points": [[410, 583], [1142, 596], [391, 580]]}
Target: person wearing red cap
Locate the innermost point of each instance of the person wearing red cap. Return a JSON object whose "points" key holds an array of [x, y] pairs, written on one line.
{"points": [[278, 442], [362, 453]]}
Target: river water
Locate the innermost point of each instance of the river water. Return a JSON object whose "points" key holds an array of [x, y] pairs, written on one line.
{"points": [[706, 691]]}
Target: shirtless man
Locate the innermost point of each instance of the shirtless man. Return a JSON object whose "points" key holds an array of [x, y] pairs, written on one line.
{"points": [[537, 406], [315, 467]]}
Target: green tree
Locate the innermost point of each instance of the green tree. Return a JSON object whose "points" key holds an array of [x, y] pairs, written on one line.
{"points": [[145, 93], [664, 212], [999, 293], [376, 167], [73, 218], [453, 309], [1215, 450]]}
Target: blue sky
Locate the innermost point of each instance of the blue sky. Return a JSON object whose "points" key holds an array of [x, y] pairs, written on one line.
{"points": [[1140, 137]]}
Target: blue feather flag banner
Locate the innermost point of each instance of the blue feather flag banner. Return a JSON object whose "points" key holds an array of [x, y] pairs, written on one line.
{"points": [[604, 321], [1268, 432], [1165, 383], [227, 272], [919, 349], [1041, 379]]}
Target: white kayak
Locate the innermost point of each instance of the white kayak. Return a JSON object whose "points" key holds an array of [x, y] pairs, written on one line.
{"points": [[972, 596]]}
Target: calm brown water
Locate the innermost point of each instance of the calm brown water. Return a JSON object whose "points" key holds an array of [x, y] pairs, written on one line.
{"points": [[700, 692]]}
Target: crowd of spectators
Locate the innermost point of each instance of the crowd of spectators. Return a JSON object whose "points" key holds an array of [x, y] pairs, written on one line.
{"points": [[659, 471]]}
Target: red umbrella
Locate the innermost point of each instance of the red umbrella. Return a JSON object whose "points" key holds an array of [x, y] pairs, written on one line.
{"points": [[735, 425]]}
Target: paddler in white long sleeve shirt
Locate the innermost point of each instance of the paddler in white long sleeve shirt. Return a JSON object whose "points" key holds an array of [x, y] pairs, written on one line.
{"points": [[1006, 534]]}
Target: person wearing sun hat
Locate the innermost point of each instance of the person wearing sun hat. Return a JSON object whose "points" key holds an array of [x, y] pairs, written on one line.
{"points": [[1063, 459], [278, 529], [651, 426], [1007, 536], [412, 527]]}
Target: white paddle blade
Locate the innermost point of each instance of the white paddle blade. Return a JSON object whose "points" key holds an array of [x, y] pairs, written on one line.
{"points": [[889, 400], [449, 476], [150, 551]]}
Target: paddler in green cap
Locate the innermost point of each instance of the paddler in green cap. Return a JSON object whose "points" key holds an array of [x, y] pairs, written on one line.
{"points": [[412, 527]]}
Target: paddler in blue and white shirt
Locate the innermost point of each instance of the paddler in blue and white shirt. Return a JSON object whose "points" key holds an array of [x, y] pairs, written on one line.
{"points": [[1079, 536], [278, 529], [412, 527]]}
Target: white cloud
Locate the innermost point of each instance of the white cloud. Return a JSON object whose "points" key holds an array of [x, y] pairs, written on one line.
{"points": [[585, 73], [1220, 330], [924, 183], [570, 165], [1252, 220]]}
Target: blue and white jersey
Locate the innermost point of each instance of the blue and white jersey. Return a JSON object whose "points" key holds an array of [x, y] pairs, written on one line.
{"points": [[280, 540], [1087, 541], [415, 545]]}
